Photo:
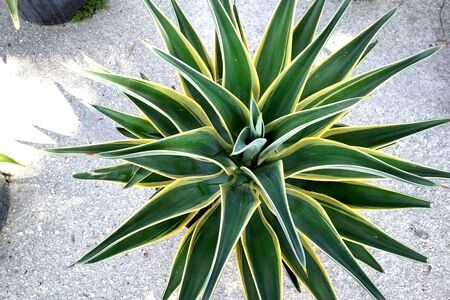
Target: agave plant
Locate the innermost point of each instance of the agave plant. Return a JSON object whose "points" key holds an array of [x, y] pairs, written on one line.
{"points": [[252, 155]]}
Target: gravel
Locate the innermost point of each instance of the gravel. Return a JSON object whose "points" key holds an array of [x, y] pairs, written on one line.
{"points": [[54, 218]]}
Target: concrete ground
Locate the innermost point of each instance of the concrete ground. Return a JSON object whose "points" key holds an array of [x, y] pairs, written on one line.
{"points": [[54, 218]]}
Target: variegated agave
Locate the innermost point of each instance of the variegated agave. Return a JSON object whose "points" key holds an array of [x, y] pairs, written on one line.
{"points": [[252, 155]]}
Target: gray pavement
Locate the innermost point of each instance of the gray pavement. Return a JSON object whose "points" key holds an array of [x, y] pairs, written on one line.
{"points": [[54, 219]]}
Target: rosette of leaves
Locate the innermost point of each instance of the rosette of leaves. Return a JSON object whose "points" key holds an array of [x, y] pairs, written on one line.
{"points": [[252, 156]]}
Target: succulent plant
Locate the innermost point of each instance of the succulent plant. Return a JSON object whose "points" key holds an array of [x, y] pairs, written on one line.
{"points": [[253, 156]]}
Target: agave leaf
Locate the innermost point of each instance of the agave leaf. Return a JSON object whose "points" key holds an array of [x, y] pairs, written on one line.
{"points": [[14, 12], [191, 35], [361, 253], [407, 166], [274, 51], [238, 203], [240, 27], [137, 126], [313, 275], [201, 145], [177, 44], [305, 29], [313, 154], [118, 173], [163, 124], [124, 174], [263, 255], [257, 125], [312, 220], [138, 176], [232, 112], [178, 265], [128, 134], [95, 149], [352, 226], [270, 180], [239, 73], [294, 279], [6, 159], [226, 4], [378, 136], [143, 237], [250, 290], [361, 195], [182, 111], [201, 254], [283, 94], [179, 198], [341, 63], [283, 129], [362, 85], [368, 50], [249, 149]]}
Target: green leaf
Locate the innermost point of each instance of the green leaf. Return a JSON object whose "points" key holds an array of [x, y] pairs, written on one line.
{"points": [[177, 44], [312, 220], [250, 148], [126, 133], [124, 174], [263, 255], [137, 126], [283, 94], [407, 166], [313, 275], [232, 113], [270, 181], [200, 145], [94, 149], [182, 111], [176, 273], [377, 136], [368, 50], [306, 28], [191, 35], [294, 279], [362, 85], [311, 155], [143, 238], [201, 254], [239, 73], [361, 195], [179, 198], [341, 63], [274, 51], [352, 226], [361, 253], [160, 121], [283, 129], [14, 12], [240, 27], [138, 176], [250, 290], [6, 159], [238, 203]]}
